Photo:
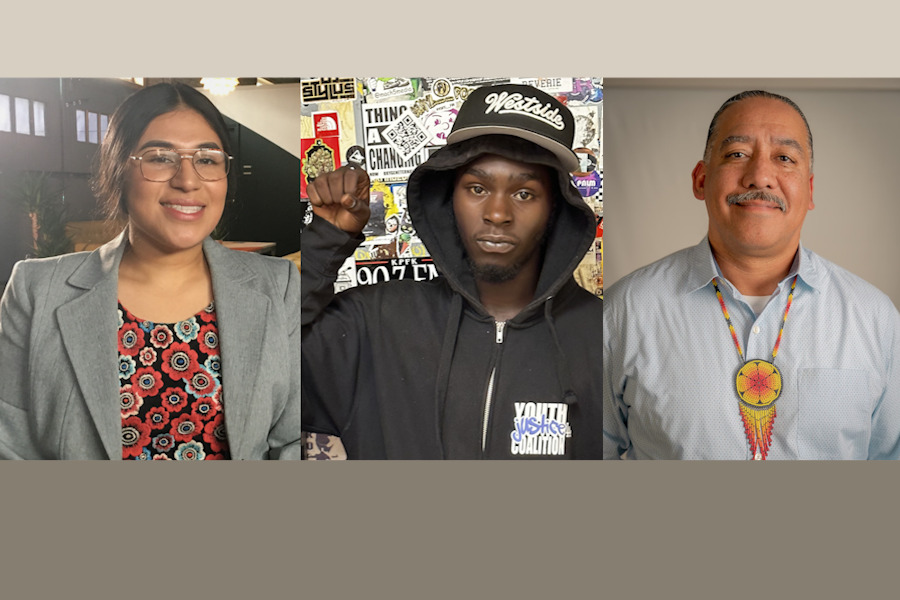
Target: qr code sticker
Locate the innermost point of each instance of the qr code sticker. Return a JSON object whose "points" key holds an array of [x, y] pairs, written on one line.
{"points": [[406, 136]]}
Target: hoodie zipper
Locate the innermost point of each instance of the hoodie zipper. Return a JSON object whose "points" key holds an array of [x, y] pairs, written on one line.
{"points": [[500, 327]]}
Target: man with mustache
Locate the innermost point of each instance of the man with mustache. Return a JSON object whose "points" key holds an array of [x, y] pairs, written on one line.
{"points": [[748, 345], [495, 359]]}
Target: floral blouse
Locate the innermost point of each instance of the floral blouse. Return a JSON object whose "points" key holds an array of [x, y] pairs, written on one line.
{"points": [[171, 388]]}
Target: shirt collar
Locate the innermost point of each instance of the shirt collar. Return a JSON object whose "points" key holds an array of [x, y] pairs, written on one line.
{"points": [[702, 267]]}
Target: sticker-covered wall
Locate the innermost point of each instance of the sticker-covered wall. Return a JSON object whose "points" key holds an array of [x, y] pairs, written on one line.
{"points": [[390, 125]]}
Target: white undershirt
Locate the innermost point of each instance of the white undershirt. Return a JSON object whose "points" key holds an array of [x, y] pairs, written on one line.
{"points": [[758, 303]]}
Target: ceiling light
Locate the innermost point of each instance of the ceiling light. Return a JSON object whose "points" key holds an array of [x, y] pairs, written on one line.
{"points": [[219, 86]]}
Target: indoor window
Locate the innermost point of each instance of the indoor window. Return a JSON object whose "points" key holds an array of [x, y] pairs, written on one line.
{"points": [[80, 128], [5, 115], [23, 122], [38, 110], [92, 127]]}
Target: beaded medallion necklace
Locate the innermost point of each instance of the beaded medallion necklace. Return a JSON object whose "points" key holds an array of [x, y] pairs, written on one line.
{"points": [[758, 385]]}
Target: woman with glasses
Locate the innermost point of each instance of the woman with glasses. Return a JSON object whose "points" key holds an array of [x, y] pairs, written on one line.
{"points": [[161, 344]]}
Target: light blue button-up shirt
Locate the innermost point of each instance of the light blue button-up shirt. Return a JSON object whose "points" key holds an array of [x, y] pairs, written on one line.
{"points": [[669, 363]]}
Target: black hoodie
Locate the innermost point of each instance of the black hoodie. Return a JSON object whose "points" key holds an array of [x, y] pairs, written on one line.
{"points": [[420, 370]]}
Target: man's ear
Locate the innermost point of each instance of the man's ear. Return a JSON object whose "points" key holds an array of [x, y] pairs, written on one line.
{"points": [[812, 204], [698, 178]]}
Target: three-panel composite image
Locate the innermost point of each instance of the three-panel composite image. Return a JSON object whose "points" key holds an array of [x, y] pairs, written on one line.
{"points": [[457, 296]]}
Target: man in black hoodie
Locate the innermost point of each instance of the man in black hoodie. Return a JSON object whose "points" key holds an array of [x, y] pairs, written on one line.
{"points": [[500, 356]]}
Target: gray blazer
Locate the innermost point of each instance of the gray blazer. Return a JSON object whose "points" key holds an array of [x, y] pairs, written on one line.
{"points": [[59, 386]]}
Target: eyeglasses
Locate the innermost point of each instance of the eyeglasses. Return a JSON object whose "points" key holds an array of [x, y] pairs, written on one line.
{"points": [[162, 164]]}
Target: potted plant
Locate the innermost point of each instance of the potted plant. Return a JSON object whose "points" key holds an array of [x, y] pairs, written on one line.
{"points": [[44, 203]]}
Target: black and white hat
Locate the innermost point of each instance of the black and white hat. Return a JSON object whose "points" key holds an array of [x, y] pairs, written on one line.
{"points": [[521, 111]]}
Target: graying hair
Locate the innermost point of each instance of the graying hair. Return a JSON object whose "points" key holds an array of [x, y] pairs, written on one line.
{"points": [[707, 152]]}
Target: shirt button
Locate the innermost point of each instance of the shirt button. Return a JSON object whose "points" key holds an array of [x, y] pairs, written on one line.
{"points": [[756, 329]]}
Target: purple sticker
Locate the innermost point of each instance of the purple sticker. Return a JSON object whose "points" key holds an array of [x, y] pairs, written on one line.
{"points": [[589, 184]]}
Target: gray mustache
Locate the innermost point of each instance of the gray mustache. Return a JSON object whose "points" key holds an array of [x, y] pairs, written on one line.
{"points": [[732, 199]]}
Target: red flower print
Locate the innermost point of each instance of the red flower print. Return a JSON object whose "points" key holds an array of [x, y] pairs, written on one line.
{"points": [[205, 408], [163, 442], [214, 433], [147, 356], [179, 361], [129, 400], [174, 399], [201, 383], [135, 436], [185, 427], [209, 339], [131, 339], [208, 314], [217, 398], [161, 336], [147, 381], [158, 416]]}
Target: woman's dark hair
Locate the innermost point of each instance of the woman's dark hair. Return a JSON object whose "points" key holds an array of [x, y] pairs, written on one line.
{"points": [[126, 127]]}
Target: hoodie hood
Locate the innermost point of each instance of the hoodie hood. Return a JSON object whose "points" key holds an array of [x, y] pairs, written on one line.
{"points": [[430, 203]]}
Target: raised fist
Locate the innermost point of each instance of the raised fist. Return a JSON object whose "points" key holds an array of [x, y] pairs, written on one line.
{"points": [[342, 198]]}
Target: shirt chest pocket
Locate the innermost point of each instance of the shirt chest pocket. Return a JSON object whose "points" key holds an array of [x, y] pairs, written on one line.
{"points": [[835, 417]]}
